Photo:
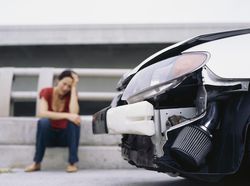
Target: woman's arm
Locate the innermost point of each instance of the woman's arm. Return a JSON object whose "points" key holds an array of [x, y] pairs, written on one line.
{"points": [[73, 103], [45, 113]]}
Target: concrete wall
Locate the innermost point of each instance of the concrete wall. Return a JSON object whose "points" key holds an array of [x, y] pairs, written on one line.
{"points": [[90, 46], [73, 56], [108, 33]]}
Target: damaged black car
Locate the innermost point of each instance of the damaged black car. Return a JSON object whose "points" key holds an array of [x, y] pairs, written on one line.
{"points": [[186, 109]]}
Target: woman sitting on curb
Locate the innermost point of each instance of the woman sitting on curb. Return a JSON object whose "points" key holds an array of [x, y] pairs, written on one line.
{"points": [[60, 121]]}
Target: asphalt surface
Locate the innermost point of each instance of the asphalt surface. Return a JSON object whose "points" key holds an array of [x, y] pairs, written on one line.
{"points": [[134, 177]]}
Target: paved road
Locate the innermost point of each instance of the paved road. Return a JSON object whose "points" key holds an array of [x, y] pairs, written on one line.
{"points": [[134, 177]]}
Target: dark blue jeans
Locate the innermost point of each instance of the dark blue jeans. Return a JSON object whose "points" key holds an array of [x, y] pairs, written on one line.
{"points": [[47, 136]]}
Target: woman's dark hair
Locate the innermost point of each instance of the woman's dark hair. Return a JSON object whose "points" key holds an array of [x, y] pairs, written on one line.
{"points": [[66, 73]]}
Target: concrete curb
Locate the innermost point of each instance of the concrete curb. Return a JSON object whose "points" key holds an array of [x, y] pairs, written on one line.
{"points": [[97, 157], [17, 146], [22, 131]]}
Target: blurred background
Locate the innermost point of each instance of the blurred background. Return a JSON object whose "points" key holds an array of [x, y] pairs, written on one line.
{"points": [[100, 36]]}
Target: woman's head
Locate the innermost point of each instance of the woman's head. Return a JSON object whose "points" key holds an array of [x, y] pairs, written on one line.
{"points": [[65, 81]]}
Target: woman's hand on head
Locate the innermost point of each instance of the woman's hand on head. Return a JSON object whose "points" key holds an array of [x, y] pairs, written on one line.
{"points": [[75, 118], [75, 79]]}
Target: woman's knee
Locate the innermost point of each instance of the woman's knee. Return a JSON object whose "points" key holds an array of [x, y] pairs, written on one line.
{"points": [[44, 123], [73, 127]]}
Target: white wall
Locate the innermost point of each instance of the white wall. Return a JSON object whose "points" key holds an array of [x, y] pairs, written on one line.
{"points": [[33, 12]]}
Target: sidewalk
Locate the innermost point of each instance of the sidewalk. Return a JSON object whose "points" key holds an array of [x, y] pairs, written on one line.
{"points": [[121, 177], [102, 177]]}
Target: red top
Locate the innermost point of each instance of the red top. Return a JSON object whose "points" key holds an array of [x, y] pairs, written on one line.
{"points": [[47, 94]]}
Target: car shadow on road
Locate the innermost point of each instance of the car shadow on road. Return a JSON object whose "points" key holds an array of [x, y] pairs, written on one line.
{"points": [[187, 182]]}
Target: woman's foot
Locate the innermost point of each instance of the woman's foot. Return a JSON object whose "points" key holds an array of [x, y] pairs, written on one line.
{"points": [[71, 168], [33, 167]]}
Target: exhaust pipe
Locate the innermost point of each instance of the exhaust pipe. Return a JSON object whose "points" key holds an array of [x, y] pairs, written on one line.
{"points": [[194, 142]]}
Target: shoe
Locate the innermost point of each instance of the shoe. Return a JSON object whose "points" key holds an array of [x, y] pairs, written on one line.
{"points": [[33, 167], [71, 168]]}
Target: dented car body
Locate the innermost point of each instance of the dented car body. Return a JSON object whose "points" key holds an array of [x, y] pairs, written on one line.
{"points": [[186, 109]]}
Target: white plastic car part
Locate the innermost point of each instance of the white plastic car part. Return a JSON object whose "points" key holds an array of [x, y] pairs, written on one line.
{"points": [[229, 56], [131, 119]]}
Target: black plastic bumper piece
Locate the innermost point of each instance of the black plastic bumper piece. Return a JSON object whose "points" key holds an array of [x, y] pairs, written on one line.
{"points": [[99, 123]]}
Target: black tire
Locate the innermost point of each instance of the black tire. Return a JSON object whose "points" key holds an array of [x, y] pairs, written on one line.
{"points": [[244, 173], [242, 176], [247, 150]]}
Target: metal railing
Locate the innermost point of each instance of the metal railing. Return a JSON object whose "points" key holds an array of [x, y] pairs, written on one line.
{"points": [[45, 79]]}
